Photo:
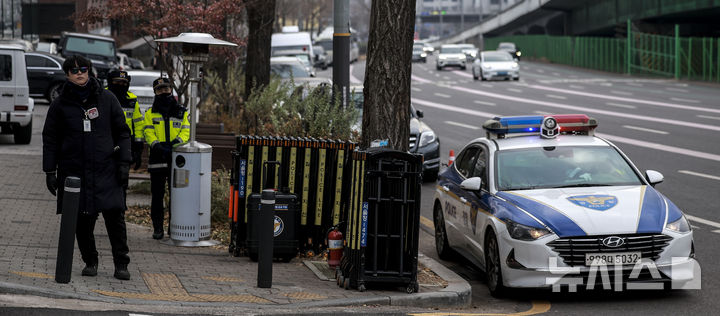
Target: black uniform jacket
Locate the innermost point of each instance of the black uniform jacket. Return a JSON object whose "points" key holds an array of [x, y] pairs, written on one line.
{"points": [[92, 156]]}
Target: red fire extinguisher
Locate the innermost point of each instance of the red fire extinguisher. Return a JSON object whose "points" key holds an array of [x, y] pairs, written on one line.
{"points": [[335, 245]]}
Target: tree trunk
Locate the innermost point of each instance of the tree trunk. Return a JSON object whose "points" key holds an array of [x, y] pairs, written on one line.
{"points": [[261, 15], [386, 112]]}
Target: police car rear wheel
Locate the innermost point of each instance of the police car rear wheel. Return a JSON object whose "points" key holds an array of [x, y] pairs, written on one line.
{"points": [[493, 270], [441, 242]]}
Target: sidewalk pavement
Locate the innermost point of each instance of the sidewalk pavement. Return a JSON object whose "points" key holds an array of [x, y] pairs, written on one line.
{"points": [[164, 275]]}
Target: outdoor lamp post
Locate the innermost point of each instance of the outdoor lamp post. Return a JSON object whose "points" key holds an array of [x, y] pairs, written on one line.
{"points": [[191, 162]]}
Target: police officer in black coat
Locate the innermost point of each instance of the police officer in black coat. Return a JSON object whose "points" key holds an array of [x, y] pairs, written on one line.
{"points": [[85, 135]]}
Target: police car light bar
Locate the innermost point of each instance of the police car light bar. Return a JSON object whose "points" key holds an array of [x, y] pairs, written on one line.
{"points": [[548, 126]]}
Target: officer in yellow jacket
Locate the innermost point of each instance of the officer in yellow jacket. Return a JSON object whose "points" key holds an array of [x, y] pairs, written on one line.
{"points": [[166, 126], [118, 84]]}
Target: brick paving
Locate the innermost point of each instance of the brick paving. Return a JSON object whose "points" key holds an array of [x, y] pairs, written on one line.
{"points": [[29, 231]]}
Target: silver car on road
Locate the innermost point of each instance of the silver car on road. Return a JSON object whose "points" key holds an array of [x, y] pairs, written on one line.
{"points": [[495, 65]]}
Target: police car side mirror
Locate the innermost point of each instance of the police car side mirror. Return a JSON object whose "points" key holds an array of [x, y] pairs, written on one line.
{"points": [[654, 177], [420, 114], [471, 184]]}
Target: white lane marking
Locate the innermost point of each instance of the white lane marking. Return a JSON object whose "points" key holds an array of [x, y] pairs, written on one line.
{"points": [[573, 76], [622, 105], [717, 231], [619, 139], [676, 89], [484, 103], [576, 86], [606, 84], [584, 109], [416, 89], [703, 221], [442, 95], [554, 96], [621, 92], [540, 71], [610, 97], [709, 117], [685, 100], [514, 90], [446, 77], [353, 79], [437, 75], [134, 314], [487, 85], [681, 84], [541, 112], [461, 125], [462, 73], [635, 84], [698, 174], [453, 108], [646, 129], [661, 147], [556, 74]]}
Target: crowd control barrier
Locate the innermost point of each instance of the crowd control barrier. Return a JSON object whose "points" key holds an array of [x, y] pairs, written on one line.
{"points": [[383, 220], [312, 169]]}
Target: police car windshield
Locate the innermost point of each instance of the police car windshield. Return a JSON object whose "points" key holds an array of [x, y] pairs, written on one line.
{"points": [[562, 166]]}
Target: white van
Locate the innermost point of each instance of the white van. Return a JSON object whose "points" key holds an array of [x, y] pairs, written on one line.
{"points": [[292, 42], [16, 106]]}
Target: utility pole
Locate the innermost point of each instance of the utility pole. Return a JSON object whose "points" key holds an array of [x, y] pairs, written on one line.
{"points": [[341, 49]]}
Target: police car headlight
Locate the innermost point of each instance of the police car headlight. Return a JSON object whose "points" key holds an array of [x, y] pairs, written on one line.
{"points": [[679, 226], [524, 232], [423, 55], [426, 138]]}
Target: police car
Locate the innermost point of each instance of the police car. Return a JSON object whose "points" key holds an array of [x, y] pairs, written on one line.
{"points": [[542, 202]]}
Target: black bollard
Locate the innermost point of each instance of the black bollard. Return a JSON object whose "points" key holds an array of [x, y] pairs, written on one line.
{"points": [[68, 222], [266, 229]]}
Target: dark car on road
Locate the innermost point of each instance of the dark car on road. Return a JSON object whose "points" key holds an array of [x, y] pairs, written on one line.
{"points": [[423, 139], [419, 54], [45, 74], [510, 48]]}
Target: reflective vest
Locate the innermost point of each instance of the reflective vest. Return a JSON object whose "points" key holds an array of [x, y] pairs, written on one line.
{"points": [[133, 117], [156, 131]]}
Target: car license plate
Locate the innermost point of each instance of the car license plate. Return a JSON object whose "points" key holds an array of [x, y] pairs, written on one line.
{"points": [[502, 73], [611, 258]]}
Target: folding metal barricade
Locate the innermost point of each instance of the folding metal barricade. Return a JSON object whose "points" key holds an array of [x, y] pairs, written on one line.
{"points": [[313, 169], [383, 220]]}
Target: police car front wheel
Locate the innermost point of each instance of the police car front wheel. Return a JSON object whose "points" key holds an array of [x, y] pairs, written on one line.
{"points": [[441, 241], [493, 268]]}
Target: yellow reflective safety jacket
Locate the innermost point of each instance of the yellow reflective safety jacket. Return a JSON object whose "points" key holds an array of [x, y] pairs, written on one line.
{"points": [[174, 129]]}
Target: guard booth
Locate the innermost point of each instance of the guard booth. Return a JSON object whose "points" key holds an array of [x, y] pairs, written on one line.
{"points": [[383, 220]]}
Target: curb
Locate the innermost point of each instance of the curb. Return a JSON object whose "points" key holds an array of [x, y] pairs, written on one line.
{"points": [[456, 294]]}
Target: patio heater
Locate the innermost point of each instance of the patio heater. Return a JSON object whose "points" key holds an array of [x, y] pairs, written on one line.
{"points": [[190, 175]]}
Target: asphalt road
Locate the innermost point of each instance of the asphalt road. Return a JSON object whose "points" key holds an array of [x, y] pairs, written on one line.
{"points": [[664, 125]]}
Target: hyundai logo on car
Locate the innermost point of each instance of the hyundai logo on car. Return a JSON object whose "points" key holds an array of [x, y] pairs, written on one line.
{"points": [[613, 241]]}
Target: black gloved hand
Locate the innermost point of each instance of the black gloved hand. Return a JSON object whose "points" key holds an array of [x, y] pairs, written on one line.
{"points": [[167, 151], [137, 149], [51, 182], [123, 174]]}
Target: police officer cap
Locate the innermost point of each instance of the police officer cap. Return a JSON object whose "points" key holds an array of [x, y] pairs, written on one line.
{"points": [[161, 83], [118, 74]]}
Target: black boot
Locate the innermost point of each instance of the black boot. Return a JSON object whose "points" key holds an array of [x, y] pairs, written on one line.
{"points": [[90, 269], [158, 234], [121, 272]]}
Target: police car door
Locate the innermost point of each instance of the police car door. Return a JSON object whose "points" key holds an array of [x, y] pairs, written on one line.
{"points": [[461, 214], [478, 205]]}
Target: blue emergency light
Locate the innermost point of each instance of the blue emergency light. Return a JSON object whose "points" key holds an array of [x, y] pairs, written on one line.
{"points": [[548, 126]]}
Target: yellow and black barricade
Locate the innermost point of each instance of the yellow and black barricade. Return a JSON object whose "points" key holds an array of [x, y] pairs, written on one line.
{"points": [[383, 220], [316, 170]]}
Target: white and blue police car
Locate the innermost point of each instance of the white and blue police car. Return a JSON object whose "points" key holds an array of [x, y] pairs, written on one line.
{"points": [[543, 202]]}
